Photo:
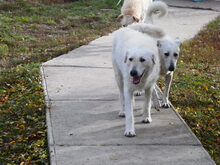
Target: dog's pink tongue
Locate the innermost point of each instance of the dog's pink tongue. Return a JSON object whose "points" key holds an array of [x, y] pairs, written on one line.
{"points": [[136, 79]]}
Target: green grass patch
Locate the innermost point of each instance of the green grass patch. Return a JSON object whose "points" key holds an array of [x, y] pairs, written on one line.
{"points": [[22, 111], [196, 87], [30, 33], [44, 30]]}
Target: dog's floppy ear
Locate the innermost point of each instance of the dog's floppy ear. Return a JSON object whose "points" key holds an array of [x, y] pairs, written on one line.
{"points": [[120, 17], [126, 57], [177, 41], [136, 19], [125, 60], [153, 59], [158, 44]]}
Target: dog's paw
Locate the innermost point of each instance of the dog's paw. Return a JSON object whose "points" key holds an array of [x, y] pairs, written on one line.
{"points": [[121, 114], [137, 93], [166, 105], [129, 133], [157, 107], [147, 120]]}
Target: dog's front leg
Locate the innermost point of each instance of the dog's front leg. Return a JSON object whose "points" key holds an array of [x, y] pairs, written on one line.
{"points": [[147, 106], [168, 81], [129, 116]]}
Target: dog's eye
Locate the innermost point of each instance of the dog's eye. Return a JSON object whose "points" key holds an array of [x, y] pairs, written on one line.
{"points": [[167, 54], [130, 59], [142, 59], [175, 54]]}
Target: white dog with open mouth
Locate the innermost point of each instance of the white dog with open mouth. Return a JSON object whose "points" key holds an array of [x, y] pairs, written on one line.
{"points": [[137, 67]]}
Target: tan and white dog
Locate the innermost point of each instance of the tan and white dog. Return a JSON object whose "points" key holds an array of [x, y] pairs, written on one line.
{"points": [[136, 65], [135, 11]]}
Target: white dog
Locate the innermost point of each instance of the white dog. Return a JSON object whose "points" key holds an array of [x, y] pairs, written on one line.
{"points": [[136, 65], [158, 7], [168, 51], [169, 54], [134, 11]]}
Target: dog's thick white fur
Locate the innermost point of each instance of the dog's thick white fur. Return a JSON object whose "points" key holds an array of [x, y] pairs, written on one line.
{"points": [[156, 7], [169, 53], [137, 67], [134, 11]]}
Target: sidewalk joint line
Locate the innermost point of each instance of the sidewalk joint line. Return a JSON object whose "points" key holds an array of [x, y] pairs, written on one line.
{"points": [[106, 145], [81, 100], [196, 8], [76, 66]]}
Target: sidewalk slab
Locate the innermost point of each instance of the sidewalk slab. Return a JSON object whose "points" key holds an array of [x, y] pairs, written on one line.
{"points": [[85, 55], [80, 83], [100, 49], [97, 123], [133, 155], [185, 23]]}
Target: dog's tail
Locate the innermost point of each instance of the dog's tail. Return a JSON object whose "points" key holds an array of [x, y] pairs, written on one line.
{"points": [[118, 2], [149, 29], [156, 7]]}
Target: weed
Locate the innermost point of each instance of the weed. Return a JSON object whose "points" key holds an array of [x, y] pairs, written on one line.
{"points": [[196, 87]]}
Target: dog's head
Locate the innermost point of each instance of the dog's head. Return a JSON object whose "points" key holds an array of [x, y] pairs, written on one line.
{"points": [[139, 62], [169, 52], [128, 19]]}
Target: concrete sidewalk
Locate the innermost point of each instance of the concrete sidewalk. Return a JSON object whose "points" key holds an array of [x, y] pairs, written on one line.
{"points": [[83, 123], [213, 5]]}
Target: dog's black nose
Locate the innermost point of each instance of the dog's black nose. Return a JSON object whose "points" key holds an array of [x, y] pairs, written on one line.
{"points": [[171, 68], [133, 73]]}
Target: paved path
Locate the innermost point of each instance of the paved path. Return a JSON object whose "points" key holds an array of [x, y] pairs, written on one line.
{"points": [[83, 126], [205, 5]]}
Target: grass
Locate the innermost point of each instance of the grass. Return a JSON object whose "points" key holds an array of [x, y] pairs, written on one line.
{"points": [[196, 87], [31, 33]]}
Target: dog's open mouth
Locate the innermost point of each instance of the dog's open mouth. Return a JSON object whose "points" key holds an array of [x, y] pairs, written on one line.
{"points": [[137, 79]]}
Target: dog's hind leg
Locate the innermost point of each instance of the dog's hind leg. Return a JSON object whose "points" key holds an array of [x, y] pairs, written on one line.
{"points": [[122, 100], [155, 98], [147, 106], [168, 81], [129, 116]]}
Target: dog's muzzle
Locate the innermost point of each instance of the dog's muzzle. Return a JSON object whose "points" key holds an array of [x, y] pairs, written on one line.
{"points": [[171, 67], [136, 77]]}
